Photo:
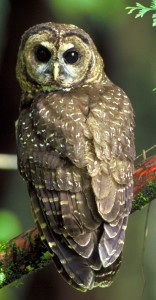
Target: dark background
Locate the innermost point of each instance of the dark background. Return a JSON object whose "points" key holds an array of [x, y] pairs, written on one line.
{"points": [[128, 47]]}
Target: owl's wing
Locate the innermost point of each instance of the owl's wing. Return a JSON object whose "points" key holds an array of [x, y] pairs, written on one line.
{"points": [[110, 126], [73, 267], [77, 262], [66, 221]]}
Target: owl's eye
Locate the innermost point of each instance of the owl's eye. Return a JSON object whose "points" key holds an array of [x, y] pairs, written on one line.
{"points": [[42, 54], [71, 56]]}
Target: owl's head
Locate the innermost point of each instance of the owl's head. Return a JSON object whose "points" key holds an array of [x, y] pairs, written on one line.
{"points": [[57, 56]]}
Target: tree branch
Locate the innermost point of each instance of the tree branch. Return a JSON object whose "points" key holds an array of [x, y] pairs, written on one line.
{"points": [[26, 253]]}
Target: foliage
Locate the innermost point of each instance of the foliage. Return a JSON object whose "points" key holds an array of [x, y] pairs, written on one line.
{"points": [[9, 225], [77, 11], [142, 10]]}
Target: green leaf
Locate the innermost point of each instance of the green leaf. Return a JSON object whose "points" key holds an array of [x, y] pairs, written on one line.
{"points": [[142, 10], [131, 9], [154, 19], [153, 4]]}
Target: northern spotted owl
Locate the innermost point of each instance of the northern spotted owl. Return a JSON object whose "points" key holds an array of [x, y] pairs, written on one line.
{"points": [[75, 147]]}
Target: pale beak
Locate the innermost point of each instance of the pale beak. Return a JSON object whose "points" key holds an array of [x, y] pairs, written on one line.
{"points": [[56, 70]]}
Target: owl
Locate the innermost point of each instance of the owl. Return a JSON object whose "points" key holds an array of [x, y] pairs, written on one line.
{"points": [[75, 146]]}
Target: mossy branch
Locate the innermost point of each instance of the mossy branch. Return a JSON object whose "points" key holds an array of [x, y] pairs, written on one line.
{"points": [[26, 253]]}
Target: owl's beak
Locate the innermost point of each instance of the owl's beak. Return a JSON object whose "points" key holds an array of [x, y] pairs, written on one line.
{"points": [[56, 70]]}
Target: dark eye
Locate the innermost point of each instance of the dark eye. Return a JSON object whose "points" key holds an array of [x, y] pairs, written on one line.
{"points": [[71, 56], [42, 54]]}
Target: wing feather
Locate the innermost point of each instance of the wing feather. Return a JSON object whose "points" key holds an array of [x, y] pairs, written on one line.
{"points": [[110, 125]]}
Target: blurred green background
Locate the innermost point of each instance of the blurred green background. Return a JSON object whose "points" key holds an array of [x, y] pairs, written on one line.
{"points": [[128, 47]]}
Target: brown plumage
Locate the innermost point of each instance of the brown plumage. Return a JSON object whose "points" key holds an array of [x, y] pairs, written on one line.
{"points": [[76, 150]]}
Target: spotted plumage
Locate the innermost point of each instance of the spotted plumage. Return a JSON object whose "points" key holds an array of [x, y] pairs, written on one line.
{"points": [[75, 149]]}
